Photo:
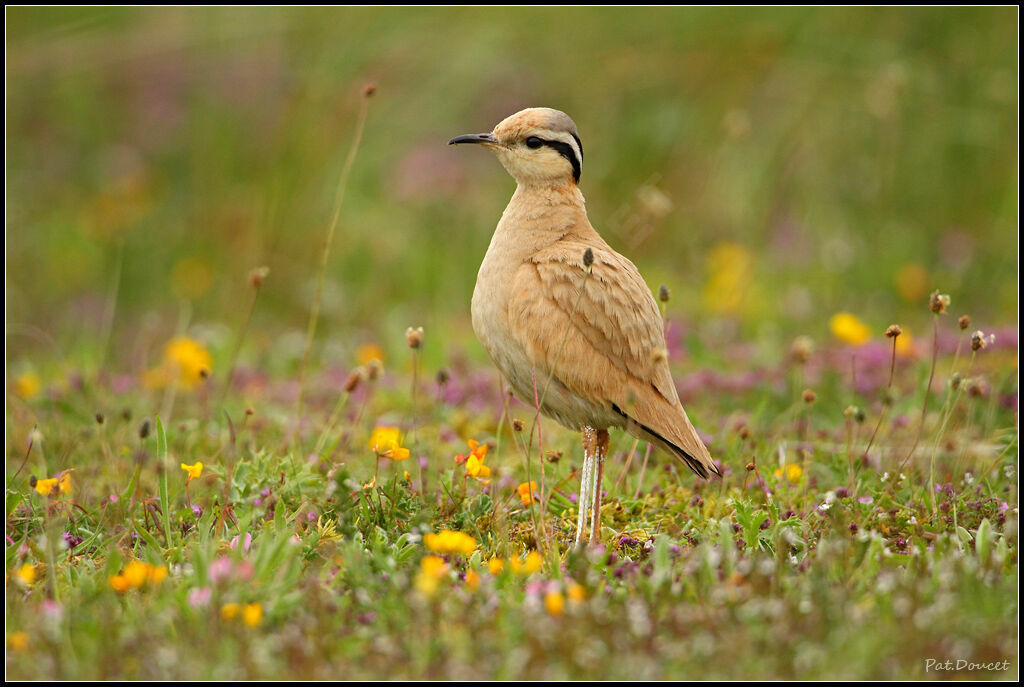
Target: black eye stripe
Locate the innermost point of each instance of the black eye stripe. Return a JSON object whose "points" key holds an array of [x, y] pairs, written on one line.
{"points": [[564, 149]]}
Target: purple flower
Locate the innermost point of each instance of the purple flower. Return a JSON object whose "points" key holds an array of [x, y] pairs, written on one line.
{"points": [[865, 499]]}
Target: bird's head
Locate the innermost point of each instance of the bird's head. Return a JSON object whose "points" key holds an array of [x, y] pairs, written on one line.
{"points": [[537, 146]]}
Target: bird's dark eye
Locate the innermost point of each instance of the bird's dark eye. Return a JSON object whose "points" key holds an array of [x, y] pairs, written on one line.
{"points": [[534, 142]]}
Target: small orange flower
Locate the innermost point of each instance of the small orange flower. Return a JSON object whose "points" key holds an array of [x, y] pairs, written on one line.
{"points": [[527, 492], [554, 603], [849, 329], [252, 614], [384, 442]]}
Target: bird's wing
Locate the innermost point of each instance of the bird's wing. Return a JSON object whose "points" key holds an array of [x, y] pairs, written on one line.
{"points": [[598, 330]]}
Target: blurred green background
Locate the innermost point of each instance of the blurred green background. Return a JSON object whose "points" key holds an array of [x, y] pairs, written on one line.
{"points": [[771, 166]]}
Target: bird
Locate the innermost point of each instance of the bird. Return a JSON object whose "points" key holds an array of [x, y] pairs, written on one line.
{"points": [[557, 309]]}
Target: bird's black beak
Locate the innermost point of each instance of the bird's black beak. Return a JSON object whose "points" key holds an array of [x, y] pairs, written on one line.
{"points": [[473, 138]]}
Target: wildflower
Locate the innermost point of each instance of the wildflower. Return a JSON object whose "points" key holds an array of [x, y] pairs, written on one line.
{"points": [[18, 641], [449, 541], [554, 603], [576, 592], [938, 302], [384, 442], [252, 614], [46, 486], [27, 385], [527, 492], [792, 472], [230, 611], [664, 294], [855, 413], [26, 575], [136, 575], [495, 566], [473, 580], [517, 425], [849, 329], [61, 484], [809, 396], [353, 380], [199, 597], [433, 569], [369, 352], [194, 471], [185, 364], [414, 337], [531, 564], [893, 331], [475, 466], [588, 257], [964, 322]]}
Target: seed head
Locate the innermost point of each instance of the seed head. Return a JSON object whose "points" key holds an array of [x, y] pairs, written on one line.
{"points": [[414, 337], [855, 413], [664, 294], [938, 302], [553, 456], [809, 396], [955, 381], [353, 380], [893, 331], [144, 429], [369, 89], [980, 341], [751, 467], [588, 257], [373, 369], [801, 349], [99, 418], [976, 387], [257, 276], [442, 377], [517, 424], [964, 322]]}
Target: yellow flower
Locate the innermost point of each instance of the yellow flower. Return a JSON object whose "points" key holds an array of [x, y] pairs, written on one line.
{"points": [[61, 484], [554, 603], [252, 614], [496, 565], [186, 363], [47, 486], [576, 592], [473, 579], [476, 469], [531, 564], [433, 569], [230, 611], [729, 268], [450, 542], [18, 641], [384, 442], [194, 471], [26, 574], [479, 450], [849, 329], [27, 385], [527, 492], [369, 352], [791, 471], [138, 574]]}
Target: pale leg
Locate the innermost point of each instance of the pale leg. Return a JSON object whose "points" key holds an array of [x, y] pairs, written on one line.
{"points": [[600, 451], [586, 478]]}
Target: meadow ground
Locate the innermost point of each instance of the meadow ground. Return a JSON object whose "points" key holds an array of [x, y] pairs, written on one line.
{"points": [[197, 488]]}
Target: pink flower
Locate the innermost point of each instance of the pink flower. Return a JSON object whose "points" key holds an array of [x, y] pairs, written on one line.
{"points": [[199, 597], [220, 569]]}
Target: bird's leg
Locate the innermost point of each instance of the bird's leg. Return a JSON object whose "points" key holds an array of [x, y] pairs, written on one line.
{"points": [[600, 451], [583, 501]]}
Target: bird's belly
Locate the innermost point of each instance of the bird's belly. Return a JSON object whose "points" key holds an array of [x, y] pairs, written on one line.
{"points": [[510, 357]]}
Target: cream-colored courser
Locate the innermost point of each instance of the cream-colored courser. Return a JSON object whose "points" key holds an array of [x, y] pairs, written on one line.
{"points": [[542, 312]]}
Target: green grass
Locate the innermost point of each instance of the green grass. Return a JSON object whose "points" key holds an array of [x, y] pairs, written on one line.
{"points": [[771, 167]]}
